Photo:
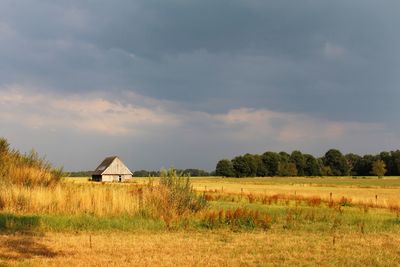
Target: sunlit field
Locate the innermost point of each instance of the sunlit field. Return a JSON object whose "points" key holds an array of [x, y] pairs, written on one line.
{"points": [[368, 190], [241, 222], [361, 190], [211, 248]]}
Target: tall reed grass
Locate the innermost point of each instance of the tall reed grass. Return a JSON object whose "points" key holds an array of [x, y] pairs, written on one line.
{"points": [[26, 169], [171, 200], [69, 199]]}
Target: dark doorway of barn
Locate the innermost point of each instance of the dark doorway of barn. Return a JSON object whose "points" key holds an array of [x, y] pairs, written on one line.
{"points": [[120, 179]]}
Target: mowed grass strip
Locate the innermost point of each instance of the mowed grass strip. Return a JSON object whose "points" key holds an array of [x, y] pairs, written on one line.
{"points": [[221, 248]]}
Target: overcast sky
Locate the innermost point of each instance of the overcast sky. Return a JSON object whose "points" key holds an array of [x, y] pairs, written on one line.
{"points": [[186, 83]]}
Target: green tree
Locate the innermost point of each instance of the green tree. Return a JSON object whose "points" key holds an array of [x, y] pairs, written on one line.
{"points": [[326, 171], [271, 163], [251, 161], [240, 167], [352, 160], [337, 162], [284, 157], [311, 166], [298, 159], [363, 166], [287, 169], [225, 168], [379, 168], [395, 162], [387, 158], [261, 169]]}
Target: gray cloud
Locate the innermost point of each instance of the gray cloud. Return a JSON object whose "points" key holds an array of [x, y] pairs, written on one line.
{"points": [[143, 129], [333, 61]]}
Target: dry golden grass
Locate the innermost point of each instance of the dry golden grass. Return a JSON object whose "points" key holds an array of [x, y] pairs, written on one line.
{"points": [[381, 193], [96, 199], [109, 199], [385, 195], [221, 248], [27, 169], [343, 246]]}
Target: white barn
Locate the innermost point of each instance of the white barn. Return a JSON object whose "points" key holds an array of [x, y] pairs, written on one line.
{"points": [[112, 169]]}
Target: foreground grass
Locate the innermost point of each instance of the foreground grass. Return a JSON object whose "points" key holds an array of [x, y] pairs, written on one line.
{"points": [[220, 248], [85, 224], [288, 216]]}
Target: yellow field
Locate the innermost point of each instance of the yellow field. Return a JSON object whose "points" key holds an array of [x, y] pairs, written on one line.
{"points": [[372, 190], [200, 249], [386, 195], [79, 223], [67, 198]]}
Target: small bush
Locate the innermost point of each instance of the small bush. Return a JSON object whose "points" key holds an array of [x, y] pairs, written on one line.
{"points": [[173, 199]]}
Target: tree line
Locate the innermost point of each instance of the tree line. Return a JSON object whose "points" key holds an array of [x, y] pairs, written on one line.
{"points": [[333, 163]]}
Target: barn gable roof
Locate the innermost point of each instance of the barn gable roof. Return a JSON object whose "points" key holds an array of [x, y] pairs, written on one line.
{"points": [[107, 162]]}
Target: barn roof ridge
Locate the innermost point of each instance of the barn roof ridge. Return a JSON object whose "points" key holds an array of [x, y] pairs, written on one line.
{"points": [[105, 164]]}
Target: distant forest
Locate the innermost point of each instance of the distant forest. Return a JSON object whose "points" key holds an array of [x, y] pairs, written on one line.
{"points": [[333, 163]]}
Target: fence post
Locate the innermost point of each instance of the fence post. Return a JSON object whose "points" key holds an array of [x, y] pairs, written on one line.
{"points": [[330, 197], [376, 200]]}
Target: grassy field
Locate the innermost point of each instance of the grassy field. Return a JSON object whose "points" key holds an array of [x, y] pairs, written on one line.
{"points": [[364, 190], [246, 222], [212, 248], [378, 191]]}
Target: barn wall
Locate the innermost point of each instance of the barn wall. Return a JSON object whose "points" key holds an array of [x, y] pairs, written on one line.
{"points": [[115, 178], [126, 177], [117, 167], [109, 178]]}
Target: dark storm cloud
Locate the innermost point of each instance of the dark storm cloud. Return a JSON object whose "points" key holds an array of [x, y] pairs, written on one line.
{"points": [[250, 53], [330, 60]]}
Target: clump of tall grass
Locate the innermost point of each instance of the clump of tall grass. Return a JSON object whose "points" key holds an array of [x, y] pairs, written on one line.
{"points": [[173, 199], [26, 169]]}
